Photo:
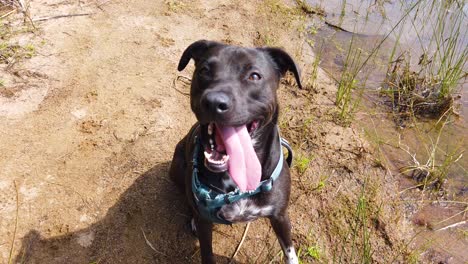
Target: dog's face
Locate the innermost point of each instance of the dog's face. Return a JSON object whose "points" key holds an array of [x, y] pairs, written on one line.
{"points": [[233, 93]]}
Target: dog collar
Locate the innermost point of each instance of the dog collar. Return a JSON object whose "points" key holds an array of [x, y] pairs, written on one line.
{"points": [[209, 201]]}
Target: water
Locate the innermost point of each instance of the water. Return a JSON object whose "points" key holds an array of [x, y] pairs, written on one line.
{"points": [[370, 24]]}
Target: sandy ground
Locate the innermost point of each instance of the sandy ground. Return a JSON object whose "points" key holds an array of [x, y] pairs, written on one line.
{"points": [[88, 132]]}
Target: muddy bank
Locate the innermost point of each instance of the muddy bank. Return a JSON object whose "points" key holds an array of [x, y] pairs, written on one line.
{"points": [[84, 176]]}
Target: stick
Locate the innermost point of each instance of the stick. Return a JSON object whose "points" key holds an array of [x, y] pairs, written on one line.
{"points": [[60, 16], [337, 27], [22, 5], [149, 243], [240, 243], [452, 225], [25, 10], [8, 13], [16, 225]]}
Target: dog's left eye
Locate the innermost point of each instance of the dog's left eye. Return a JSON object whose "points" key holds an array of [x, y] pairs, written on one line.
{"points": [[255, 77], [204, 70]]}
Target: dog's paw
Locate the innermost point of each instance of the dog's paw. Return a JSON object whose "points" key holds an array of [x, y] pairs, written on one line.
{"points": [[291, 257]]}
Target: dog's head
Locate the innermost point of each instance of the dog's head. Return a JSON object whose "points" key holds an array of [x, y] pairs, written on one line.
{"points": [[233, 94]]}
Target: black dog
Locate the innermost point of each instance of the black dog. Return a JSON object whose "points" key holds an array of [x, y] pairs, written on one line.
{"points": [[231, 162]]}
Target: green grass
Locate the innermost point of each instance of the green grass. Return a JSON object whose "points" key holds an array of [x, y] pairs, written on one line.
{"points": [[356, 246], [347, 84], [302, 163], [428, 89], [175, 6], [309, 250], [12, 53], [343, 11], [321, 184], [310, 253], [314, 73], [356, 59], [449, 58], [348, 80], [314, 251]]}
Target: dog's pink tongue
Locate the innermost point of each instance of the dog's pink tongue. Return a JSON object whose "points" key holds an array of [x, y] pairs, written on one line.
{"points": [[244, 166]]}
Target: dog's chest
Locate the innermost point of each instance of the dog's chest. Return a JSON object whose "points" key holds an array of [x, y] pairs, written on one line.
{"points": [[244, 210]]}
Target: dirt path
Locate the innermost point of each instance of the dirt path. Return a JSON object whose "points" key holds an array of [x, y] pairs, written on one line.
{"points": [[87, 139]]}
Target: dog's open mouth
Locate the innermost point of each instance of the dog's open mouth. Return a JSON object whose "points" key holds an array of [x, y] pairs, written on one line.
{"points": [[230, 149], [216, 158]]}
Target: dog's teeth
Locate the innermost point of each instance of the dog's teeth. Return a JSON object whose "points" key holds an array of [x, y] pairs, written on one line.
{"points": [[207, 155], [211, 157], [210, 129]]}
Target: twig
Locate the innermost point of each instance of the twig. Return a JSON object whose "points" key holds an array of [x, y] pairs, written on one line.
{"points": [[337, 27], [453, 225], [149, 243], [16, 225], [412, 187], [22, 5], [240, 243], [8, 13], [60, 16], [455, 215], [27, 15]]}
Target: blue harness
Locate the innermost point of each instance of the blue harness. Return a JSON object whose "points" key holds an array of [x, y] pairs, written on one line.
{"points": [[209, 201]]}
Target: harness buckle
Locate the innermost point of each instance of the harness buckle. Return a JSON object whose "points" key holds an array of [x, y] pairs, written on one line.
{"points": [[267, 185]]}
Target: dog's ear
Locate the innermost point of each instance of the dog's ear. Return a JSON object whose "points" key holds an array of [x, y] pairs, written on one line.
{"points": [[284, 62], [195, 51]]}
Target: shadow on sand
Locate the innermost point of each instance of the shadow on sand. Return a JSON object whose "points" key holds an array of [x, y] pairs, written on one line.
{"points": [[152, 205]]}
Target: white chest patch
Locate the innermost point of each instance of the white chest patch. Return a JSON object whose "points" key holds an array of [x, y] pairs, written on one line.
{"points": [[244, 210]]}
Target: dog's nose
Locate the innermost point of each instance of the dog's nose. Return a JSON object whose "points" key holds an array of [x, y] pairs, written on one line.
{"points": [[217, 102]]}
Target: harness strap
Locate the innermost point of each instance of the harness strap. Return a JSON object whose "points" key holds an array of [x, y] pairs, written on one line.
{"points": [[285, 144]]}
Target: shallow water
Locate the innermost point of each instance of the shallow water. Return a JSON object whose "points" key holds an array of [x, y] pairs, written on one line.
{"points": [[366, 25]]}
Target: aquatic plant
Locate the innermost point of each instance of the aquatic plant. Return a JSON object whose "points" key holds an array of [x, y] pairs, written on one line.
{"points": [[429, 88]]}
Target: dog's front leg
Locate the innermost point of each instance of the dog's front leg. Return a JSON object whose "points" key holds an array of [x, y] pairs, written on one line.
{"points": [[282, 227], [205, 235]]}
